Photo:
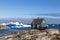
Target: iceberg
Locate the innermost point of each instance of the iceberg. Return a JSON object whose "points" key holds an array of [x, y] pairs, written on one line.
{"points": [[15, 24]]}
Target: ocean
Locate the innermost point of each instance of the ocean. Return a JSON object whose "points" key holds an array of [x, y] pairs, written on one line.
{"points": [[7, 31]]}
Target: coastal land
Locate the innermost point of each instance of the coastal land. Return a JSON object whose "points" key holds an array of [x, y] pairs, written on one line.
{"points": [[3, 27], [33, 34]]}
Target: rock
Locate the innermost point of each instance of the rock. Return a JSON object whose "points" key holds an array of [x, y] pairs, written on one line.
{"points": [[2, 27], [34, 31], [48, 34], [52, 31]]}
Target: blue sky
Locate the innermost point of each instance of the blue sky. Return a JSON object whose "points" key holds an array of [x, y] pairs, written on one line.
{"points": [[30, 8]]}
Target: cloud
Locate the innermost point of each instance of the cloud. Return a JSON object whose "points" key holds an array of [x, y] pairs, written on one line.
{"points": [[50, 17], [47, 15]]}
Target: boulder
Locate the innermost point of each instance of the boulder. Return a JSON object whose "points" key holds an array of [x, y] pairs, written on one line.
{"points": [[52, 31], [2, 27]]}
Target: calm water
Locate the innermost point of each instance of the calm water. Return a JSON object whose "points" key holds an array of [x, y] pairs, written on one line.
{"points": [[14, 30], [55, 26]]}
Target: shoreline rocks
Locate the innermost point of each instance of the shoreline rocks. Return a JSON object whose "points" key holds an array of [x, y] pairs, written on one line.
{"points": [[3, 27], [48, 34]]}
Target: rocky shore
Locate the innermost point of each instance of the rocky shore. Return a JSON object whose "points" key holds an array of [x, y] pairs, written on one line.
{"points": [[48, 34], [2, 27]]}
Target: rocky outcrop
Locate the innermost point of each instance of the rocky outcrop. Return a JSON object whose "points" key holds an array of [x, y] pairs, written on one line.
{"points": [[52, 31], [2, 27], [48, 34]]}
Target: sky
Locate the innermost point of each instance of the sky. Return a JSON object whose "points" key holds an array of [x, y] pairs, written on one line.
{"points": [[30, 8]]}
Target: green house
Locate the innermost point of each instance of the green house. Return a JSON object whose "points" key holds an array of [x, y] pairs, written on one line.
{"points": [[38, 23]]}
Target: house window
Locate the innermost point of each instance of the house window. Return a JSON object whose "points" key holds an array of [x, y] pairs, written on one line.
{"points": [[43, 21]]}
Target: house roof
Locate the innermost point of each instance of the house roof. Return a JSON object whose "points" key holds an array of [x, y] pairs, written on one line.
{"points": [[37, 21]]}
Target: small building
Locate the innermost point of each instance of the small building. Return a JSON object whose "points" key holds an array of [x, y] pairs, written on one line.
{"points": [[38, 23]]}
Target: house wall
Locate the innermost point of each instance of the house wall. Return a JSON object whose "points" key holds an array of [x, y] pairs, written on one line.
{"points": [[41, 25]]}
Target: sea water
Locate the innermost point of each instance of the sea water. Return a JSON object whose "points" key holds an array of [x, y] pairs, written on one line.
{"points": [[55, 26], [7, 31]]}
